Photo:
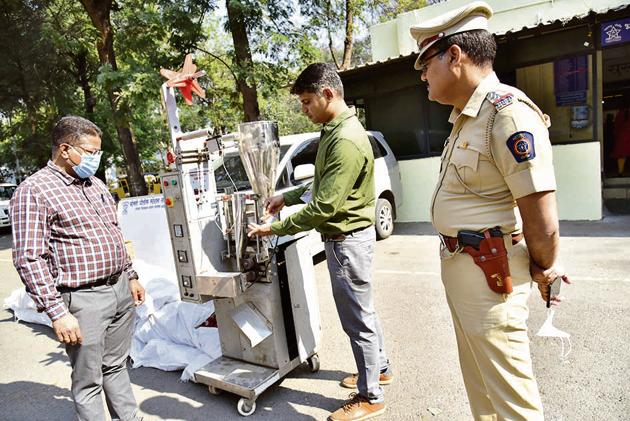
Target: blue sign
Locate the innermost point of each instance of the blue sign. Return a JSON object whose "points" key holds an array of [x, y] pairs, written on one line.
{"points": [[615, 32], [570, 77], [571, 98], [570, 74]]}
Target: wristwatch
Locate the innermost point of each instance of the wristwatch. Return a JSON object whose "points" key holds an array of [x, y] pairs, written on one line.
{"points": [[132, 274]]}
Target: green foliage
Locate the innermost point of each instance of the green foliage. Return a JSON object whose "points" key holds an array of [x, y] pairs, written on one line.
{"points": [[31, 84], [285, 109], [327, 18], [378, 11], [51, 68]]}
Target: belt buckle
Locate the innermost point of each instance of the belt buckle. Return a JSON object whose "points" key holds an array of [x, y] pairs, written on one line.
{"points": [[338, 238], [112, 279], [333, 238]]}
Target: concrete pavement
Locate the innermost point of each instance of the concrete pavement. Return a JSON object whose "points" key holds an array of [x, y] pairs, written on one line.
{"points": [[591, 384]]}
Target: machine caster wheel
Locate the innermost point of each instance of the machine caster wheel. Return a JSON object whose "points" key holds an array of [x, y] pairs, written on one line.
{"points": [[214, 391], [313, 363], [246, 407]]}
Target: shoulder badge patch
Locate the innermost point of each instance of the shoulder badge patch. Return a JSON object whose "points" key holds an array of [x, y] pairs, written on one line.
{"points": [[500, 100], [521, 144]]}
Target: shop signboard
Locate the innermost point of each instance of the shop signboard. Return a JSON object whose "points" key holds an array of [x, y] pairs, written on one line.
{"points": [[615, 32]]}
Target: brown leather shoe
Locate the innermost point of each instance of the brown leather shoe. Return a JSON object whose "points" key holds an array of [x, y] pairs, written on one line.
{"points": [[358, 408], [351, 381]]}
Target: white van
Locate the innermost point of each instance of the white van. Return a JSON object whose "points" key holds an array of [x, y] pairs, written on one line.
{"points": [[296, 167]]}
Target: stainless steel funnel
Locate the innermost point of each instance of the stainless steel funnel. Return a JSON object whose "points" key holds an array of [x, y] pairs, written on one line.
{"points": [[259, 148]]}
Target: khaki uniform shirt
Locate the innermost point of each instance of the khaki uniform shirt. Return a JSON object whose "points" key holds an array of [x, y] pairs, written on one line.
{"points": [[498, 151], [343, 186]]}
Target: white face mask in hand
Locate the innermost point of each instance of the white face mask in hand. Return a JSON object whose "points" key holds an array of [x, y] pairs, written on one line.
{"points": [[549, 330]]}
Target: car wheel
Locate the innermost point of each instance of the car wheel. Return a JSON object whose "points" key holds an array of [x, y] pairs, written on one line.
{"points": [[384, 218]]}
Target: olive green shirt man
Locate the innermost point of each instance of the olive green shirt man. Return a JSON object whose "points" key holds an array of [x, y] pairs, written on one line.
{"points": [[341, 208], [342, 191]]}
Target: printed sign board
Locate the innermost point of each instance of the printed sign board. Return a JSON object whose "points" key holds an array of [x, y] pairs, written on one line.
{"points": [[615, 32]]}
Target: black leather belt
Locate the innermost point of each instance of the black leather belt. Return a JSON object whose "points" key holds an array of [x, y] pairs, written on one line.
{"points": [[110, 280], [452, 244], [341, 236]]}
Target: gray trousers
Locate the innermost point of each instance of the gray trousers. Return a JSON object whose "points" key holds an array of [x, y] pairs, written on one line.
{"points": [[106, 315], [350, 267]]}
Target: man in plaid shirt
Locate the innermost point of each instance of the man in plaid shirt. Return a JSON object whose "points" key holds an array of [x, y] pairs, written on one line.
{"points": [[70, 254]]}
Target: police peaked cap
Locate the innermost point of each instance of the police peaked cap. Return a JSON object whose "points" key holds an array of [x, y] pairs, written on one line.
{"points": [[468, 18]]}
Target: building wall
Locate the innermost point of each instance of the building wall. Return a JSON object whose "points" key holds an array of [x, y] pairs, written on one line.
{"points": [[419, 177], [577, 169], [392, 38], [520, 61], [578, 178]]}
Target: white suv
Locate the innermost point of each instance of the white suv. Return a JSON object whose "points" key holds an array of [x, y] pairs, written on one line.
{"points": [[6, 191], [296, 167]]}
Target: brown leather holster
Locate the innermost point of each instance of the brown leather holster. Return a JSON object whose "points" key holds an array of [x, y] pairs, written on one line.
{"points": [[492, 258]]}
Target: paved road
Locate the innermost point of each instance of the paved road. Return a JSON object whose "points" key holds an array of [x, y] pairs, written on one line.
{"points": [[591, 385]]}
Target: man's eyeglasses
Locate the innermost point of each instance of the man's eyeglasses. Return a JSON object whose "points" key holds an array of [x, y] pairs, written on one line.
{"points": [[425, 63], [89, 152]]}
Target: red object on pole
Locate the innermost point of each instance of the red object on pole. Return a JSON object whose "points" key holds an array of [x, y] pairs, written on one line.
{"points": [[185, 80], [170, 157]]}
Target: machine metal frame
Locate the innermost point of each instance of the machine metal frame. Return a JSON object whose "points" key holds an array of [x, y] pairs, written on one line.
{"points": [[264, 292]]}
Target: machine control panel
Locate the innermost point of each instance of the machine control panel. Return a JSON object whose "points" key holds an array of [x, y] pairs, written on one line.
{"points": [[181, 241]]}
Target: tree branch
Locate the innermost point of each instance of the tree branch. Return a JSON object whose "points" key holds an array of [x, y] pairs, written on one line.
{"points": [[330, 41], [220, 59]]}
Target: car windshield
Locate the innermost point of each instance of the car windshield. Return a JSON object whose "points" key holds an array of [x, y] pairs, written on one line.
{"points": [[6, 192], [230, 173]]}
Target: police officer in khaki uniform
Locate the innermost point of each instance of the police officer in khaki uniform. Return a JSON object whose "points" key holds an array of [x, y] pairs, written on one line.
{"points": [[496, 184]]}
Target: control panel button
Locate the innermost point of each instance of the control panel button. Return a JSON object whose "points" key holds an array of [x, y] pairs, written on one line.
{"points": [[186, 281]]}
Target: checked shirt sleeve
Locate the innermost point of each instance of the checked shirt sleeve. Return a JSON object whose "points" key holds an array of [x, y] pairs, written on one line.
{"points": [[31, 234]]}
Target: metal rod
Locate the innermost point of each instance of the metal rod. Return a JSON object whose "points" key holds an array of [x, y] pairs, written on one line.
{"points": [[194, 134]]}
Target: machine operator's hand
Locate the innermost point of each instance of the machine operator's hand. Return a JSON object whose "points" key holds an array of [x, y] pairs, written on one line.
{"points": [[67, 330], [545, 277], [274, 205], [259, 230], [137, 291]]}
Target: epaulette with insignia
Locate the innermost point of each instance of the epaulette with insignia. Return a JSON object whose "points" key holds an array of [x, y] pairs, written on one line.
{"points": [[500, 100]]}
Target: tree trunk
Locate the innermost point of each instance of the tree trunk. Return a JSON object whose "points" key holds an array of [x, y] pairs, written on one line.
{"points": [[83, 79], [348, 41], [244, 62], [99, 12]]}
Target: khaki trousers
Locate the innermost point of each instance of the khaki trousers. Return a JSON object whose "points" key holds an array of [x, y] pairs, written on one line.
{"points": [[491, 332]]}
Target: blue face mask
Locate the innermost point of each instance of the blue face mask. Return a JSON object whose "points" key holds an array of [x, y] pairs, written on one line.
{"points": [[88, 165]]}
